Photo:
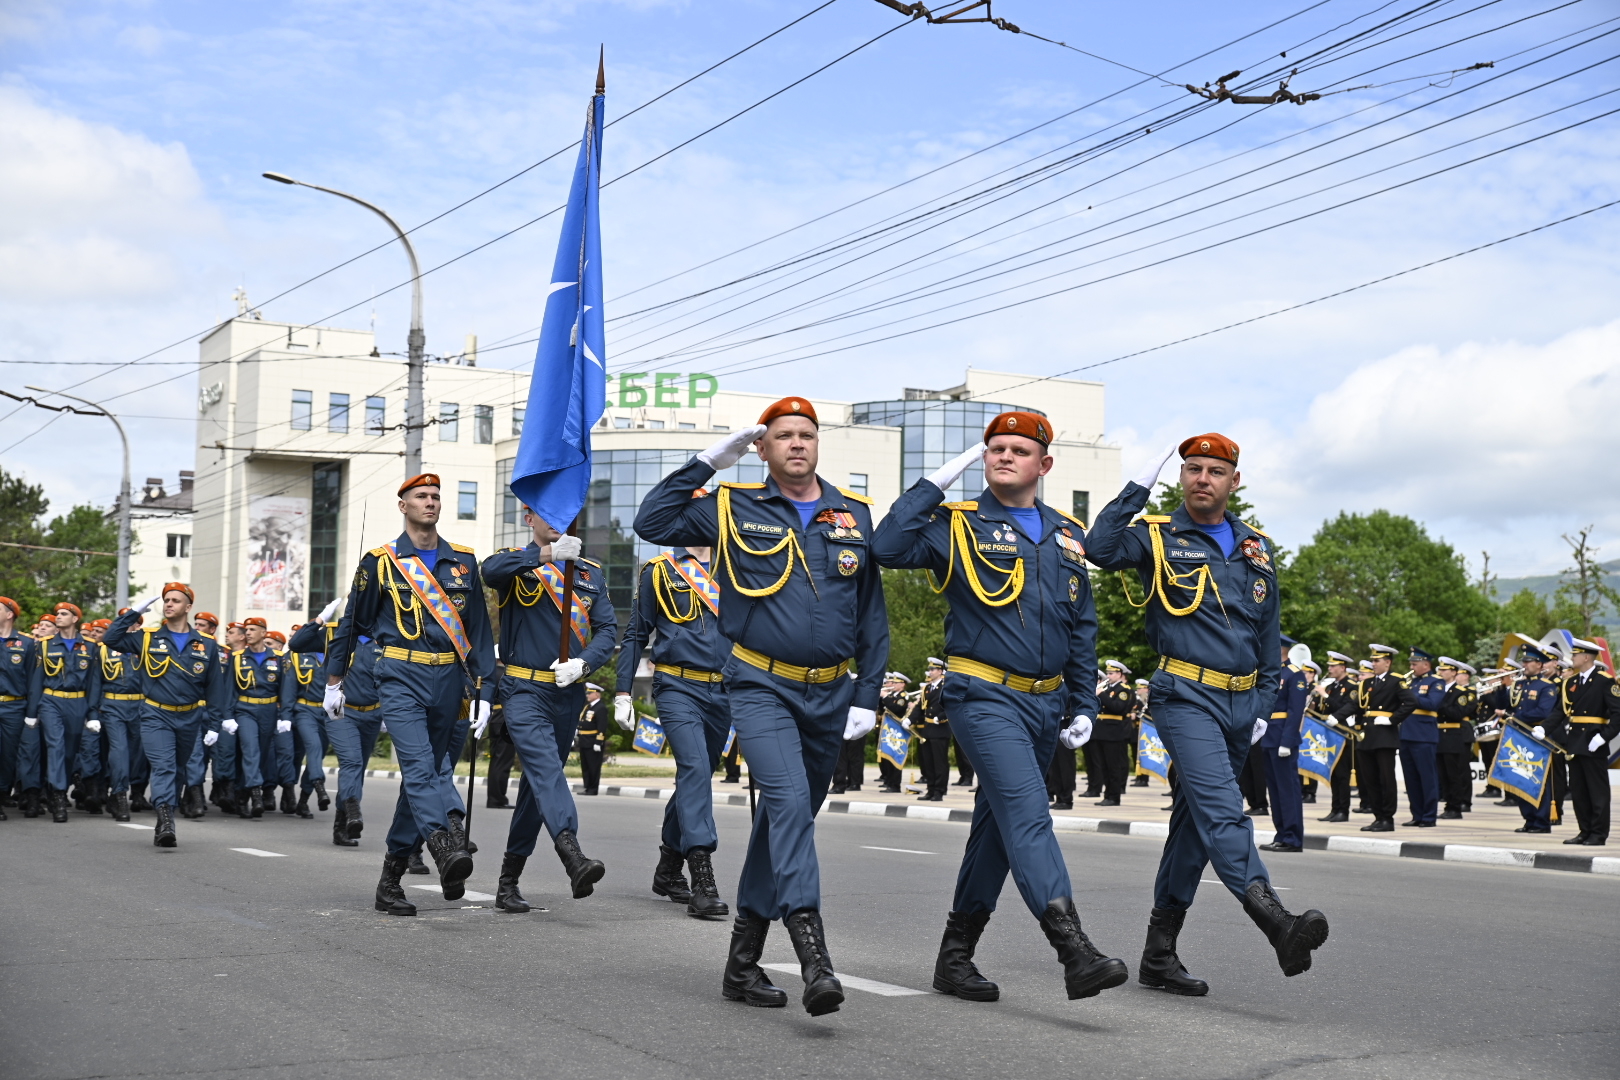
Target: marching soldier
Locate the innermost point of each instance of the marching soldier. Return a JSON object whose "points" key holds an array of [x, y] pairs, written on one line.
{"points": [[1111, 740], [306, 715], [1589, 708], [118, 711], [59, 698], [593, 731], [1339, 688], [543, 696], [802, 597], [421, 598], [353, 732], [1419, 737], [1220, 659], [1535, 703], [1380, 698], [934, 728], [1280, 744], [1021, 668], [1456, 731], [19, 654], [183, 692], [262, 695]]}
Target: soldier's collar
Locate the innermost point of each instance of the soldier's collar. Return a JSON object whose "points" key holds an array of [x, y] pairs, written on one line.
{"points": [[830, 495], [405, 548], [1181, 521]]}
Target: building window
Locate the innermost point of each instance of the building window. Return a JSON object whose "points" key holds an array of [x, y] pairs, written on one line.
{"points": [[327, 492], [483, 424], [449, 421], [179, 546], [337, 413], [509, 530], [932, 433], [467, 501], [376, 415], [517, 420], [656, 424], [684, 426], [303, 408], [621, 421], [1082, 506], [857, 483]]}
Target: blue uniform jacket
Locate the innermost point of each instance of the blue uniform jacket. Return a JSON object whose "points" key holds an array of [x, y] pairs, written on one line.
{"points": [[1421, 724], [270, 677], [118, 674], [171, 676], [1535, 700], [306, 671], [20, 656], [360, 682], [1050, 629], [397, 620], [693, 643], [834, 614], [68, 666], [1234, 629], [1288, 713], [531, 622]]}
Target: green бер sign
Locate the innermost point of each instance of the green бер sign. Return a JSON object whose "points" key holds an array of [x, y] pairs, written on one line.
{"points": [[665, 392]]}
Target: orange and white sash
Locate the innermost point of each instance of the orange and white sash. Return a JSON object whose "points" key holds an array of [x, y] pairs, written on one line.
{"points": [[552, 579], [694, 575], [431, 594]]}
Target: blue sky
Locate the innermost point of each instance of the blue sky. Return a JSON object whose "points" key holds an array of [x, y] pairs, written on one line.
{"points": [[1477, 395]]}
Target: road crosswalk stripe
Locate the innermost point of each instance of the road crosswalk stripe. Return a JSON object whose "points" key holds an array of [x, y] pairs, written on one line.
{"points": [[468, 895], [855, 982], [259, 852]]}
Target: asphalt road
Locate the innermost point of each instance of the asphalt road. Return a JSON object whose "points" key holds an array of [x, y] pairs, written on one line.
{"points": [[119, 960]]}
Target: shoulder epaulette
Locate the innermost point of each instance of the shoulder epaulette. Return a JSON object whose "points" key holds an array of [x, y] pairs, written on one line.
{"points": [[741, 485], [591, 561], [504, 550], [966, 504], [1156, 519], [848, 494], [380, 552], [1069, 516], [464, 549], [1257, 529]]}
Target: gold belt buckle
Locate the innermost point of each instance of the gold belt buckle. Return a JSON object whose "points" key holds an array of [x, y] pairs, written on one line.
{"points": [[811, 673], [1234, 683]]}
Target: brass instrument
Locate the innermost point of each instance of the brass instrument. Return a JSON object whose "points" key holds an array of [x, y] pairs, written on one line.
{"points": [[1567, 755]]}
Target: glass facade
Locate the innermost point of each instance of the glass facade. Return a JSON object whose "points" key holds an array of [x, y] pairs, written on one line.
{"points": [[933, 432], [327, 492]]}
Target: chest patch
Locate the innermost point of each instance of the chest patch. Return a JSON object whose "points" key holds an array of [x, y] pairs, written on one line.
{"points": [[760, 527], [998, 549], [848, 562], [198, 667], [1074, 588], [1178, 553], [1260, 590]]}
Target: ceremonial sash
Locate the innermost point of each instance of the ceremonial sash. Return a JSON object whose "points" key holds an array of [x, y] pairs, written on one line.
{"points": [[694, 575], [552, 579], [427, 589]]}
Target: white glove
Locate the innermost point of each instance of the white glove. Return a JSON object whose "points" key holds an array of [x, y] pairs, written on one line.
{"points": [[1539, 732], [1260, 726], [860, 722], [952, 470], [1381, 721], [332, 701], [566, 548], [1285, 751], [140, 608], [1077, 734], [624, 713], [330, 610], [1596, 743], [93, 725], [31, 721], [210, 738], [283, 726], [1150, 474], [230, 725], [479, 714], [382, 727], [905, 722], [568, 671], [729, 450], [1331, 721]]}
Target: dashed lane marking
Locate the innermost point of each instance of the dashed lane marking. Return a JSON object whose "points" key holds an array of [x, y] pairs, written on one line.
{"points": [[468, 895], [132, 825], [897, 850], [260, 852], [855, 982]]}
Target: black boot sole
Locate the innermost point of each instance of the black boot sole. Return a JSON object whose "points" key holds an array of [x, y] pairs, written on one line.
{"points": [[1103, 975], [354, 829], [719, 910], [945, 986], [778, 1000], [344, 841], [1308, 933], [585, 883], [1153, 982], [391, 909], [164, 840], [823, 996], [672, 895]]}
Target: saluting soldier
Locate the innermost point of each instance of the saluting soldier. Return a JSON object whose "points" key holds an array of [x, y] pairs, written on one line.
{"points": [[1380, 699], [676, 618], [183, 690], [1281, 746], [1419, 738], [1111, 741], [1589, 705], [1339, 688], [543, 696], [1535, 704], [19, 654], [421, 598], [353, 732], [60, 695], [1212, 609], [1021, 668], [1456, 730], [802, 599]]}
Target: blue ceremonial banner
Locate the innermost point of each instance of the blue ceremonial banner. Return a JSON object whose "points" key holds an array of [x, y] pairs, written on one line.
{"points": [[552, 469], [1319, 750], [649, 736], [731, 739], [894, 742], [1151, 756], [1521, 765]]}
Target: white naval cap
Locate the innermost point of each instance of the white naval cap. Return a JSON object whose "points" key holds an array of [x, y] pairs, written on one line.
{"points": [[1118, 665]]}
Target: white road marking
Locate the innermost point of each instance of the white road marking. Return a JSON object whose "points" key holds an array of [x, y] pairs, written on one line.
{"points": [[468, 895], [132, 825], [1279, 888], [260, 853], [899, 850], [855, 982]]}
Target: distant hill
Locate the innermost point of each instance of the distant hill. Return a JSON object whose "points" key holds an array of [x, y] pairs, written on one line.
{"points": [[1546, 584]]}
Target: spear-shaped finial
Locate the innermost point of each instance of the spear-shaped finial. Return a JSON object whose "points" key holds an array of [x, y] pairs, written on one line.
{"points": [[601, 73]]}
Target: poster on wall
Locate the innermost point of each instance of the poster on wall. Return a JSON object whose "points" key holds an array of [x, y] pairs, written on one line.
{"points": [[278, 553]]}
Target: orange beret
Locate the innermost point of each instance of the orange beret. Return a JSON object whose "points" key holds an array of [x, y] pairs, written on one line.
{"points": [[790, 406], [179, 587], [1211, 445], [208, 616], [277, 636], [427, 479], [16, 608], [254, 620], [1026, 424], [65, 606]]}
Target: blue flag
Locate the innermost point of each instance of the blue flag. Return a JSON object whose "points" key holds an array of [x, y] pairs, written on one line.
{"points": [[894, 742], [1319, 750], [1151, 756], [649, 736], [1521, 765], [552, 471]]}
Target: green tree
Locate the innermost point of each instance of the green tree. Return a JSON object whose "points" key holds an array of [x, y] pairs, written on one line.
{"points": [[916, 620], [21, 506], [1584, 593], [36, 579]]}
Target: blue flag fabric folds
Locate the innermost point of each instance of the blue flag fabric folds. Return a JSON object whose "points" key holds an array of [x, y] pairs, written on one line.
{"points": [[551, 473], [1151, 756], [650, 736], [1319, 750], [1521, 765], [894, 742]]}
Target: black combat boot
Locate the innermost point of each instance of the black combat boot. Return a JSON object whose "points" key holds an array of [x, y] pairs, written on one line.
{"points": [[30, 803], [340, 831], [954, 970], [95, 798], [192, 803], [415, 864], [1161, 968], [667, 877], [163, 832], [216, 793], [59, 806], [823, 993], [323, 801], [352, 819], [745, 980], [120, 805], [705, 902], [255, 802], [1086, 972], [507, 897], [289, 805], [583, 873], [1294, 937], [390, 895], [458, 826], [138, 802], [227, 801], [455, 865], [302, 809]]}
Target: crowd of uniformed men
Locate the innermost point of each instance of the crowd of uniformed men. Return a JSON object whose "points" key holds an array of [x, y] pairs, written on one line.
{"points": [[767, 632]]}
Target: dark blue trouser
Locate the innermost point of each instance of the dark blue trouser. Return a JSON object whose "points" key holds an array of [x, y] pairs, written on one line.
{"points": [[456, 749], [61, 726], [1010, 737], [1422, 775], [168, 738], [354, 737], [697, 719], [541, 720], [1287, 804], [791, 735], [256, 727], [91, 760], [11, 740], [309, 725], [121, 723], [1207, 733], [420, 705], [282, 752]]}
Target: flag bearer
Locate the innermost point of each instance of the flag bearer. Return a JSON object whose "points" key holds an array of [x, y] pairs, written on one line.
{"points": [[1535, 704]]}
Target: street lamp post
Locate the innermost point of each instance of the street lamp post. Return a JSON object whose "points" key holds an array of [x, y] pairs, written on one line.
{"points": [[121, 589], [416, 343]]}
